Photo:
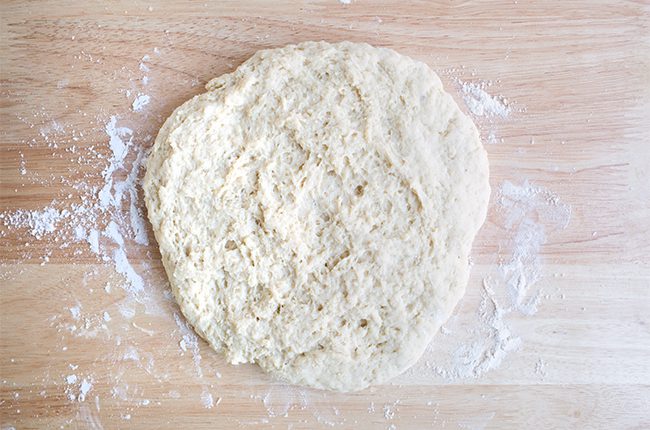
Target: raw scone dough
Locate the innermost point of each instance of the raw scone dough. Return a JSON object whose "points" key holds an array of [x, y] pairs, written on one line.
{"points": [[315, 211]]}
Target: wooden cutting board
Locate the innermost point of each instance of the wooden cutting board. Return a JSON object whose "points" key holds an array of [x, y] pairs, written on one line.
{"points": [[77, 351]]}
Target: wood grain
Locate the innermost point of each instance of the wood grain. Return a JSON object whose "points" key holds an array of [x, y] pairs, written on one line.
{"points": [[578, 76]]}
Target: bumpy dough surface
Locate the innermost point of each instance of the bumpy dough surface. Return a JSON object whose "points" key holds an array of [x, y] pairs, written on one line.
{"points": [[315, 211]]}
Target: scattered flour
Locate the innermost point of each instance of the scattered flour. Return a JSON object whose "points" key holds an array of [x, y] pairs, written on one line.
{"points": [[104, 218], [89, 418], [50, 131], [84, 389], [75, 311], [77, 392], [93, 240], [207, 400], [141, 100], [189, 341], [131, 354], [527, 213], [38, 222], [280, 400], [487, 109], [22, 168], [540, 368], [486, 351], [389, 411], [112, 231], [135, 282], [143, 63], [480, 103]]}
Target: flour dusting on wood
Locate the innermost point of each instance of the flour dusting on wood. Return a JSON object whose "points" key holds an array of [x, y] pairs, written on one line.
{"points": [[527, 214], [481, 103]]}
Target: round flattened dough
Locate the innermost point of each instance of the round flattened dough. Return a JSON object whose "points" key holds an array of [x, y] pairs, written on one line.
{"points": [[315, 211]]}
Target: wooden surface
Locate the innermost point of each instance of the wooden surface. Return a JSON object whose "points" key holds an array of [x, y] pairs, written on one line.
{"points": [[577, 74]]}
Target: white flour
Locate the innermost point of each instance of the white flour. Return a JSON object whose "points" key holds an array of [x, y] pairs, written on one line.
{"points": [[85, 222], [207, 400], [280, 400], [389, 410], [141, 100], [530, 212], [77, 390], [38, 222], [486, 109], [480, 103], [75, 311], [107, 219], [189, 341], [84, 389], [527, 214]]}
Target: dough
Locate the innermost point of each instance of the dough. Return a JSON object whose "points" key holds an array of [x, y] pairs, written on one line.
{"points": [[315, 210]]}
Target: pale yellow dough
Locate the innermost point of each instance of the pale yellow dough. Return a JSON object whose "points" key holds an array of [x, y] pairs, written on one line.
{"points": [[315, 211]]}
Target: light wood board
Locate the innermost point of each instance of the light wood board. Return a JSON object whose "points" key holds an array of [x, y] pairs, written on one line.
{"points": [[577, 75]]}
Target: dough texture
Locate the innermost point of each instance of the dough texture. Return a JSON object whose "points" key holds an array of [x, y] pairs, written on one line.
{"points": [[315, 211]]}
